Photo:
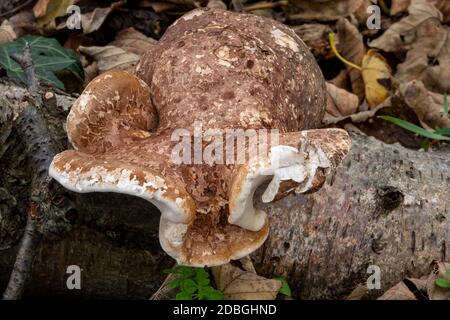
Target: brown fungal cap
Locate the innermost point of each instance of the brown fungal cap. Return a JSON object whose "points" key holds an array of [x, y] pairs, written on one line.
{"points": [[223, 70]]}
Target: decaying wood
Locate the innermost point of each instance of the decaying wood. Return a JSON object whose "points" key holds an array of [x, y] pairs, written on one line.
{"points": [[386, 205]]}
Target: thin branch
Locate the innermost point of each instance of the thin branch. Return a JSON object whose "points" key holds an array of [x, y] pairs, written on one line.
{"points": [[43, 218], [31, 240], [25, 61]]}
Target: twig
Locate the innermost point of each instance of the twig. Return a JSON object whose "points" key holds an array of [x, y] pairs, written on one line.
{"points": [[25, 60], [23, 5], [24, 261], [42, 218]]}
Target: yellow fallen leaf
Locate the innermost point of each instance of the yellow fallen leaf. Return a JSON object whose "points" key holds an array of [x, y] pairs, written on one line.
{"points": [[47, 10], [374, 69]]}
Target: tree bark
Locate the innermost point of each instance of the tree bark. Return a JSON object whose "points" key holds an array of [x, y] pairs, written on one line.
{"points": [[386, 206]]}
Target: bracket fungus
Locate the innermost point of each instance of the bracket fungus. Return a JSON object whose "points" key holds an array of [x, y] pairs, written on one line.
{"points": [[227, 72]]}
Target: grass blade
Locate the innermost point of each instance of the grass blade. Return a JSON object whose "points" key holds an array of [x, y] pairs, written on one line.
{"points": [[413, 128]]}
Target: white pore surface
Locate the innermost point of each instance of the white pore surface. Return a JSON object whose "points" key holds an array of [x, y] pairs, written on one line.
{"points": [[285, 163], [98, 179]]}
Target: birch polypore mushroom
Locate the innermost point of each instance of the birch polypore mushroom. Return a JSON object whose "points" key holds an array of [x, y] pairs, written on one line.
{"points": [[213, 73]]}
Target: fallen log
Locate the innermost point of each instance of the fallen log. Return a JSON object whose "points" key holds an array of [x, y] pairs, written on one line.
{"points": [[386, 206]]}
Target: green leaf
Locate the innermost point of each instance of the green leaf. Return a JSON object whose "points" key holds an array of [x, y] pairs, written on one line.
{"points": [[443, 283], [448, 272], [189, 286], [48, 56], [185, 271], [285, 289], [183, 296], [175, 283], [202, 277], [209, 293], [443, 131], [413, 128]]}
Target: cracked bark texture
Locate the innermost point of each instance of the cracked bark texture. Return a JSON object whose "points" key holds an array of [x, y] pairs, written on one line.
{"points": [[386, 205]]}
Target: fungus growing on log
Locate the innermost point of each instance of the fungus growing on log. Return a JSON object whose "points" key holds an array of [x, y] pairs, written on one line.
{"points": [[167, 134]]}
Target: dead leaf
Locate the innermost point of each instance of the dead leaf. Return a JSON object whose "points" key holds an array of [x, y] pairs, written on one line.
{"points": [[435, 292], [7, 33], [429, 58], [358, 117], [324, 10], [47, 10], [236, 284], [92, 21], [23, 23], [341, 80], [158, 6], [40, 8], [351, 47], [358, 293], [398, 292], [375, 69], [217, 4], [401, 35], [340, 102], [315, 35], [427, 105], [133, 41], [247, 264], [111, 57], [398, 6]]}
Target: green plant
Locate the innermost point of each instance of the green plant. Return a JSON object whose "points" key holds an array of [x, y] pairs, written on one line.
{"points": [[285, 289], [48, 56], [443, 282], [194, 284], [439, 133]]}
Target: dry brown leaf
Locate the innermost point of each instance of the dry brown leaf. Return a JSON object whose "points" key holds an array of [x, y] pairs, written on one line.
{"points": [[158, 6], [399, 6], [7, 33], [111, 57], [92, 21], [315, 35], [358, 117], [217, 4], [236, 284], [24, 22], [435, 292], [402, 35], [325, 10], [133, 41], [40, 8], [429, 58], [375, 69], [398, 292], [340, 102], [247, 264], [47, 10], [341, 80], [351, 47], [427, 105], [358, 293]]}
